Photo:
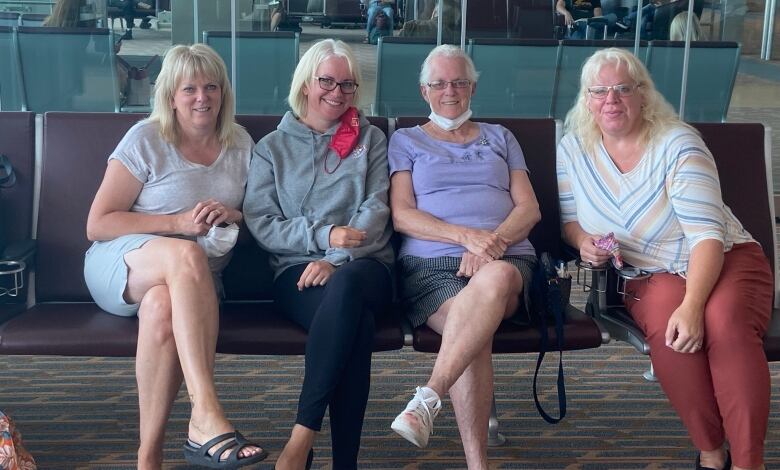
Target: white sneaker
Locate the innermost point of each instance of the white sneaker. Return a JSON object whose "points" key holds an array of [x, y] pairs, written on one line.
{"points": [[415, 424]]}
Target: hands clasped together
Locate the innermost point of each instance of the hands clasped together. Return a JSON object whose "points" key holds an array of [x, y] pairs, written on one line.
{"points": [[199, 220], [482, 247]]}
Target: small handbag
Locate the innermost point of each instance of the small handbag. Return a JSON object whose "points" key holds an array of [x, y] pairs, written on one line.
{"points": [[550, 293]]}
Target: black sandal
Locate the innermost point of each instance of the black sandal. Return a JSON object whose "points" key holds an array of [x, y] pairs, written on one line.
{"points": [[726, 465], [198, 454]]}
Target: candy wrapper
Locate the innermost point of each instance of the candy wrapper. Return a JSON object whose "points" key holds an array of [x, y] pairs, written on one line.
{"points": [[609, 243]]}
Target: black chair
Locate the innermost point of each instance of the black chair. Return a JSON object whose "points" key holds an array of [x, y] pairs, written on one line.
{"points": [[17, 144]]}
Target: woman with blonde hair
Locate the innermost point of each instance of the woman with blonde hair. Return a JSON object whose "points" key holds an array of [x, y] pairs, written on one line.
{"points": [[172, 179], [679, 26], [628, 165], [316, 201], [65, 14]]}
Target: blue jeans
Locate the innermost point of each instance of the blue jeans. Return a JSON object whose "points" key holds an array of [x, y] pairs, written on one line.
{"points": [[374, 8]]}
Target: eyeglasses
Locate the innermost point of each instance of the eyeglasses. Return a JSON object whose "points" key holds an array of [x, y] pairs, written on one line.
{"points": [[348, 87], [442, 84], [622, 90]]}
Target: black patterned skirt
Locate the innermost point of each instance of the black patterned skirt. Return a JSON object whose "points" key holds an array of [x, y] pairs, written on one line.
{"points": [[429, 282]]}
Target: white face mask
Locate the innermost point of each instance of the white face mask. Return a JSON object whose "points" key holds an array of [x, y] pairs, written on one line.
{"points": [[449, 124], [219, 240]]}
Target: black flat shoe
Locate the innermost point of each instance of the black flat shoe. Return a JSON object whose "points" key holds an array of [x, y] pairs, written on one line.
{"points": [[310, 459], [726, 466]]}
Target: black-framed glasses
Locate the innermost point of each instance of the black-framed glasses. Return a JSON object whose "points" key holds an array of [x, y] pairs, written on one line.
{"points": [[443, 84], [601, 92], [348, 87]]}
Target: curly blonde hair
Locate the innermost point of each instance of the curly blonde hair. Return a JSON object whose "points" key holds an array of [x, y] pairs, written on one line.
{"points": [[657, 114]]}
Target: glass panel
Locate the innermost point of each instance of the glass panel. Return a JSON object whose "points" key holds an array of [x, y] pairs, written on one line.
{"points": [[265, 63], [756, 96], [86, 74], [28, 6]]}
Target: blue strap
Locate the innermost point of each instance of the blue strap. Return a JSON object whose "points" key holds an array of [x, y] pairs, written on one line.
{"points": [[557, 310]]}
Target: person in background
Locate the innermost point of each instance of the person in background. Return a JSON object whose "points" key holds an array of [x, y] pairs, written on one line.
{"points": [[679, 26], [317, 203], [172, 178], [67, 14], [131, 9], [628, 165], [573, 10], [374, 7]]}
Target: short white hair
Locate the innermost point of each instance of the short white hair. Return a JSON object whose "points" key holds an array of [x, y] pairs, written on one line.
{"points": [[448, 51]]}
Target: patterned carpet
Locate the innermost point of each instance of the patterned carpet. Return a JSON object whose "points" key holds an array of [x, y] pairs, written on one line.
{"points": [[80, 413]]}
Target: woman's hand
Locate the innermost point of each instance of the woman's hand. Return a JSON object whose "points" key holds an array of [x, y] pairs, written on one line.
{"points": [[470, 264], [185, 224], [213, 212], [316, 273], [567, 18], [487, 245], [345, 236], [590, 253], [685, 329]]}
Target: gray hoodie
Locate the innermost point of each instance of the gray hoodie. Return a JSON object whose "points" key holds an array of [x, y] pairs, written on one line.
{"points": [[291, 203]]}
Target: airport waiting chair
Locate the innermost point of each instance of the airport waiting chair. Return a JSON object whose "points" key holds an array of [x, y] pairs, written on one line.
{"points": [[398, 64], [11, 93], [265, 65], [17, 144], [712, 71], [573, 55], [68, 69], [9, 18], [32, 19], [742, 153], [531, 19], [517, 76]]}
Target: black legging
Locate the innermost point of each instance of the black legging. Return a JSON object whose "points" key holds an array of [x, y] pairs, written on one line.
{"points": [[340, 320], [129, 13]]}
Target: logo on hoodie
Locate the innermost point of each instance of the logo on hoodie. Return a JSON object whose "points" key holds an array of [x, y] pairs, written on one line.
{"points": [[358, 151]]}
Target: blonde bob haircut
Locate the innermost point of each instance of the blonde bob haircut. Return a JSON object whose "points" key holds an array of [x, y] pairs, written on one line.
{"points": [[450, 52], [187, 63], [307, 69], [657, 115]]}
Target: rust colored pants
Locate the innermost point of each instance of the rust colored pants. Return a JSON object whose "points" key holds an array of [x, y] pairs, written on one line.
{"points": [[721, 391]]}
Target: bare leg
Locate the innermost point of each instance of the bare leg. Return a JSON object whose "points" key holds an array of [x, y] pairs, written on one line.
{"points": [[295, 452], [472, 400], [183, 267], [493, 292], [276, 18], [158, 374], [714, 458], [467, 323]]}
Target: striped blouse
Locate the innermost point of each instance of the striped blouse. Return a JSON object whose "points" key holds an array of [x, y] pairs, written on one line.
{"points": [[659, 210]]}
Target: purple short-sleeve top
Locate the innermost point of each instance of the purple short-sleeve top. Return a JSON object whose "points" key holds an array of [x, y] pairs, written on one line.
{"points": [[462, 184]]}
